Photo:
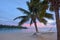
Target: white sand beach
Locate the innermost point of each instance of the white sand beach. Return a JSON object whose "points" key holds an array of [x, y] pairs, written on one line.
{"points": [[29, 36]]}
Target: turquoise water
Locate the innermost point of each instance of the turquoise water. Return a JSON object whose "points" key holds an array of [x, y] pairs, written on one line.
{"points": [[53, 29]]}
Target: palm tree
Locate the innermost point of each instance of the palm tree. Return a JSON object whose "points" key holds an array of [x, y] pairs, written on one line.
{"points": [[34, 12], [54, 6]]}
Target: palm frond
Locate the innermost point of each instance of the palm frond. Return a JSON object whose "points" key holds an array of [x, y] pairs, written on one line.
{"points": [[24, 11], [52, 8], [23, 21], [28, 4], [19, 17], [31, 22], [49, 16], [38, 19], [44, 2], [43, 21], [41, 14]]}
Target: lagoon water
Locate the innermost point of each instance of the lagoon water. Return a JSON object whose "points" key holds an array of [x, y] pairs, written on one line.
{"points": [[46, 29]]}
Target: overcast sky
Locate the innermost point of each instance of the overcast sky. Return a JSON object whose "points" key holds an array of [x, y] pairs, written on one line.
{"points": [[8, 11]]}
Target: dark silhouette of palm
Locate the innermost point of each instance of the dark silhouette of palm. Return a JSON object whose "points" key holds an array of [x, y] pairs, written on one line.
{"points": [[36, 11], [54, 6]]}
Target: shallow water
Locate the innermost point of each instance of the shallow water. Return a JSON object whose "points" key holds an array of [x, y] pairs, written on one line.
{"points": [[27, 30]]}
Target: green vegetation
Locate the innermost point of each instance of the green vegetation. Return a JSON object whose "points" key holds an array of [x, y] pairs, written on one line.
{"points": [[36, 10], [12, 27]]}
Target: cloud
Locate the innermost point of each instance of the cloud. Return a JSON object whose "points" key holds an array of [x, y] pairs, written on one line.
{"points": [[39, 25]]}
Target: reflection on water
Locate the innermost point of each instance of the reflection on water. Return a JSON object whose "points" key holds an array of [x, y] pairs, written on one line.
{"points": [[4, 30]]}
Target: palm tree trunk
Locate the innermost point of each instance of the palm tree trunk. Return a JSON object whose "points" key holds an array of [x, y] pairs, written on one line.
{"points": [[58, 31], [36, 27], [57, 22], [58, 25]]}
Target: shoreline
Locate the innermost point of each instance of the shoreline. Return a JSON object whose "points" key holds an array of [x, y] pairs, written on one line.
{"points": [[29, 36]]}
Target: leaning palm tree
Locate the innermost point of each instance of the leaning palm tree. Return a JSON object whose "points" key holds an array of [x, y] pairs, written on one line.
{"points": [[34, 12]]}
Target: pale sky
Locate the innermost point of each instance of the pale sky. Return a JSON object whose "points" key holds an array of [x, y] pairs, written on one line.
{"points": [[8, 11]]}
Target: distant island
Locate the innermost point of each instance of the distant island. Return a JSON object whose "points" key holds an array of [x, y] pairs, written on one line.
{"points": [[11, 26]]}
